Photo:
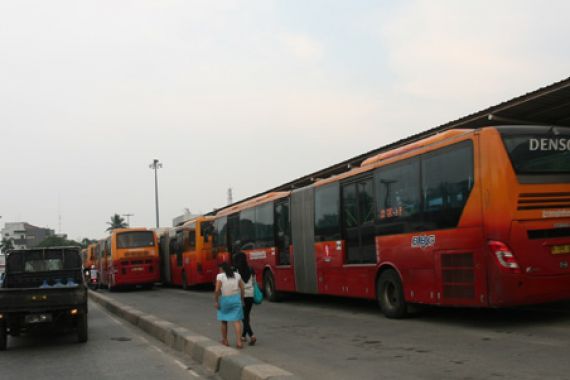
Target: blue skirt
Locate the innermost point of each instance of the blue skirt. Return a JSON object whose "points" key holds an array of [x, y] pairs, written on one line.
{"points": [[230, 309]]}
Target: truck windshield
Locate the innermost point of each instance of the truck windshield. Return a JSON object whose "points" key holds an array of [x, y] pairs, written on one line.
{"points": [[135, 239], [47, 265], [538, 150], [43, 260]]}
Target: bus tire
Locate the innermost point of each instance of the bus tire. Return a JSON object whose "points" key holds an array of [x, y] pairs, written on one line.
{"points": [[82, 330], [269, 287], [3, 336], [184, 281], [390, 294]]}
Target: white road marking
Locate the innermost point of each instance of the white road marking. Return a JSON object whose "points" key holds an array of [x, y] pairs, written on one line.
{"points": [[180, 364]]}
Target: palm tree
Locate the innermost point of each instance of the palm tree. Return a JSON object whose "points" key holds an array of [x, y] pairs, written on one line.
{"points": [[86, 241], [6, 245], [116, 222]]}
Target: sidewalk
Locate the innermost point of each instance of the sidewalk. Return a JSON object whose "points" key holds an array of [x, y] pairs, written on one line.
{"points": [[228, 363]]}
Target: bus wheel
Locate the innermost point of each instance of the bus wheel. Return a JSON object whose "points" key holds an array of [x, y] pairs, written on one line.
{"points": [[184, 281], [269, 287], [3, 336], [82, 334], [390, 294]]}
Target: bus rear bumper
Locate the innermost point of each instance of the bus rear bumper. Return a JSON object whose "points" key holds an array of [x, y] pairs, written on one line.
{"points": [[136, 280], [516, 290]]}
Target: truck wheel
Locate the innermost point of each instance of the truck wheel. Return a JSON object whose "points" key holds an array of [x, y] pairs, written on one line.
{"points": [[269, 287], [82, 327], [3, 336], [390, 294], [184, 281]]}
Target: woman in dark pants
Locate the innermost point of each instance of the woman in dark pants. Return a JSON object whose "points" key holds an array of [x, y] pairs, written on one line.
{"points": [[248, 277]]}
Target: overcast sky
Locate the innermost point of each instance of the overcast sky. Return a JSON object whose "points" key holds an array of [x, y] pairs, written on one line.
{"points": [[247, 94]]}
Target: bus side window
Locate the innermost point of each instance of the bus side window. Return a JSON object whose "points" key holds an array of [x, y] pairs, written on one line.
{"points": [[264, 226], [206, 230], [445, 192], [327, 212], [247, 229], [192, 240], [398, 197]]}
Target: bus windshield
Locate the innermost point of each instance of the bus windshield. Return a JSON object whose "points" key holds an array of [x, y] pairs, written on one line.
{"points": [[135, 239], [538, 150]]}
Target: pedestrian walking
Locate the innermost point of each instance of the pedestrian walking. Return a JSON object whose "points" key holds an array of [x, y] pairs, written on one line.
{"points": [[228, 298], [93, 273], [248, 277]]}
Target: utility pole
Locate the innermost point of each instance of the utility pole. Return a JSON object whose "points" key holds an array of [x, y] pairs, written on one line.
{"points": [[128, 218], [156, 165]]}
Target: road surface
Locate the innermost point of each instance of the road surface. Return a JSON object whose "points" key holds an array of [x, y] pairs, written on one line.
{"points": [[115, 350], [334, 338]]}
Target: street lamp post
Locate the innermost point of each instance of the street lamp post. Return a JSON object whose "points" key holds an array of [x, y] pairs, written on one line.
{"points": [[156, 165]]}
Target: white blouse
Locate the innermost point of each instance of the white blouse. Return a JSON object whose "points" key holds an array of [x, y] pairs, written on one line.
{"points": [[230, 286], [248, 287]]}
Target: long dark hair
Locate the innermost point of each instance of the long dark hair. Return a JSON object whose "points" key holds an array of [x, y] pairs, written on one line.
{"points": [[240, 261], [227, 270]]}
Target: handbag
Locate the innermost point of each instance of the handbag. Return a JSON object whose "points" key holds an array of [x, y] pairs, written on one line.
{"points": [[257, 294]]}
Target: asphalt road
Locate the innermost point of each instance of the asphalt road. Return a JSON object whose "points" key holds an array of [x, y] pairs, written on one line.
{"points": [[336, 338], [114, 351]]}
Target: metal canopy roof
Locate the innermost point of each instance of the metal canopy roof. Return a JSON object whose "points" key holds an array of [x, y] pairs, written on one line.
{"points": [[547, 105]]}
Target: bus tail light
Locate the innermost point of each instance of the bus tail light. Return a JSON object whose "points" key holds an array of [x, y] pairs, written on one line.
{"points": [[504, 256]]}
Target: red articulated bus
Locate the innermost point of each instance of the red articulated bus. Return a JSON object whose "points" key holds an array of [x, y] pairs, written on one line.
{"points": [[477, 218], [261, 228], [129, 257]]}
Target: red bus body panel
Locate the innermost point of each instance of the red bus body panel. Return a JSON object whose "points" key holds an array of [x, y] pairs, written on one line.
{"points": [[453, 266]]}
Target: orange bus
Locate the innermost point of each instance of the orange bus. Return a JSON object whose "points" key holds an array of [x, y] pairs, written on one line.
{"points": [[129, 257], [466, 217], [89, 256], [190, 256]]}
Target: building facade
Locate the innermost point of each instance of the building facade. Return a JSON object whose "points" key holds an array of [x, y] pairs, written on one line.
{"points": [[25, 235], [181, 219]]}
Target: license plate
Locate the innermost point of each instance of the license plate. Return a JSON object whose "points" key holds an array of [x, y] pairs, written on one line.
{"points": [[38, 318], [137, 269], [560, 249]]}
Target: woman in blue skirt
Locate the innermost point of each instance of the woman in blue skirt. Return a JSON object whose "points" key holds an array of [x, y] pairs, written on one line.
{"points": [[229, 302]]}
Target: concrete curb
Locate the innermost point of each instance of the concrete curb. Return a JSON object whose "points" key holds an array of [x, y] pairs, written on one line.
{"points": [[228, 363]]}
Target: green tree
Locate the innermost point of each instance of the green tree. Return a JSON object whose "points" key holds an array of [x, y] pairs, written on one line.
{"points": [[116, 222], [86, 241], [58, 241], [6, 245]]}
